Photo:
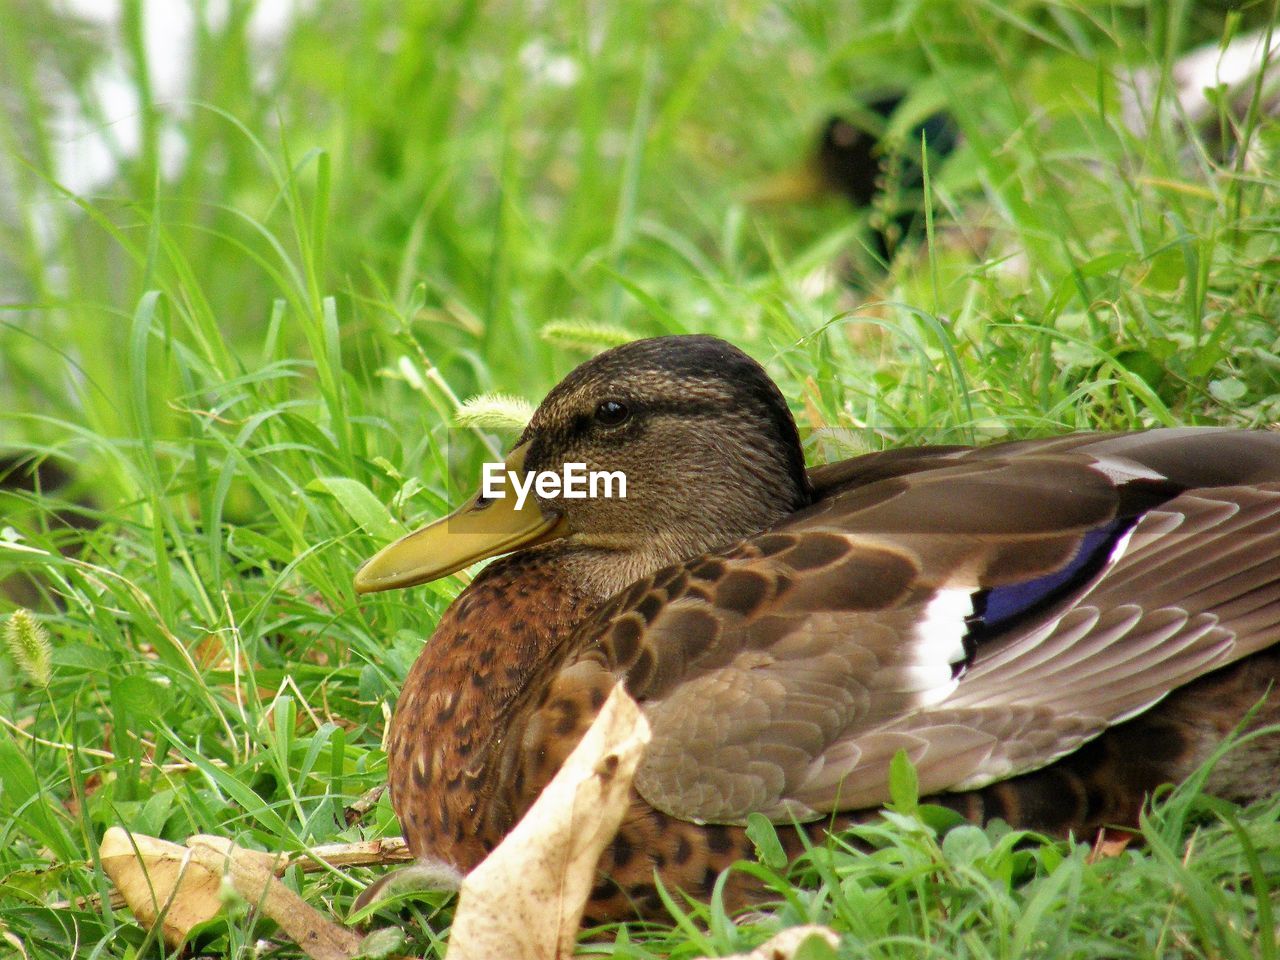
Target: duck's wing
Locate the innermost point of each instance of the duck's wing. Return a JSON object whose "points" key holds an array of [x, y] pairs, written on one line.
{"points": [[987, 611]]}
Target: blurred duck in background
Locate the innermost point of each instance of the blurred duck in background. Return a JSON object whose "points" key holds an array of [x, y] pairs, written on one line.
{"points": [[874, 154], [859, 155]]}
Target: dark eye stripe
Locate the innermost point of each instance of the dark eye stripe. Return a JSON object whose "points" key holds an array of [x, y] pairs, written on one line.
{"points": [[582, 424]]}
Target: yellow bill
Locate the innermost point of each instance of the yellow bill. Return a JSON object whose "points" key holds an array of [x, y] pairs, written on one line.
{"points": [[800, 184], [479, 529]]}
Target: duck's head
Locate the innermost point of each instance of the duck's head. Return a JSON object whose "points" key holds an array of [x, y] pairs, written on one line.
{"points": [[703, 437]]}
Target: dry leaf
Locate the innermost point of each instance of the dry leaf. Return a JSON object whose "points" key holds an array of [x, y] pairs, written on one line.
{"points": [[525, 900], [210, 652], [156, 876], [252, 874], [784, 945], [1109, 843]]}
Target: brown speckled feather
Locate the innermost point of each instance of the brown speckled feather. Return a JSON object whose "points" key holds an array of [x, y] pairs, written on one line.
{"points": [[456, 706]]}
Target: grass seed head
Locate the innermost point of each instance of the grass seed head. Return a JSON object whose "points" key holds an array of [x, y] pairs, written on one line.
{"points": [[28, 642]]}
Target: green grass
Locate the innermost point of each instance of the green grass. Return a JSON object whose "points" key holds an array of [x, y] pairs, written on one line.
{"points": [[244, 353]]}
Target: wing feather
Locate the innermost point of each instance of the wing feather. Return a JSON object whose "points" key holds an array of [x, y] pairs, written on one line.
{"points": [[783, 674]]}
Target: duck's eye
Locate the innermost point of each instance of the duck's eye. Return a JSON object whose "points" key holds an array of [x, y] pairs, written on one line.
{"points": [[610, 413]]}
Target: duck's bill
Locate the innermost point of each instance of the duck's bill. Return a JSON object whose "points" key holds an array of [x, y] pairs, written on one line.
{"points": [[479, 529], [800, 184]]}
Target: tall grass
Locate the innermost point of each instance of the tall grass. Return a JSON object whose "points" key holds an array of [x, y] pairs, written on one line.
{"points": [[251, 340]]}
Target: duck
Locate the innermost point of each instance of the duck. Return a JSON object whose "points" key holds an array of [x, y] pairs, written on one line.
{"points": [[852, 156], [1049, 629]]}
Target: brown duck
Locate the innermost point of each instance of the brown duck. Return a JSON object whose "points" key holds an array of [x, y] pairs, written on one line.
{"points": [[1050, 628]]}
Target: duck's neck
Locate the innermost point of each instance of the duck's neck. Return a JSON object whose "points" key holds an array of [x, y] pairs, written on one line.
{"points": [[601, 564], [452, 713]]}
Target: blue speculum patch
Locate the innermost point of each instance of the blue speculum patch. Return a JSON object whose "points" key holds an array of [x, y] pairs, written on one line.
{"points": [[998, 607]]}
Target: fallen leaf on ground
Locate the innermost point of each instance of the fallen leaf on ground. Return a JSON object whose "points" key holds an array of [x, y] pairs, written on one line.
{"points": [[252, 874], [181, 886], [525, 900], [157, 877], [1109, 843], [784, 945]]}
